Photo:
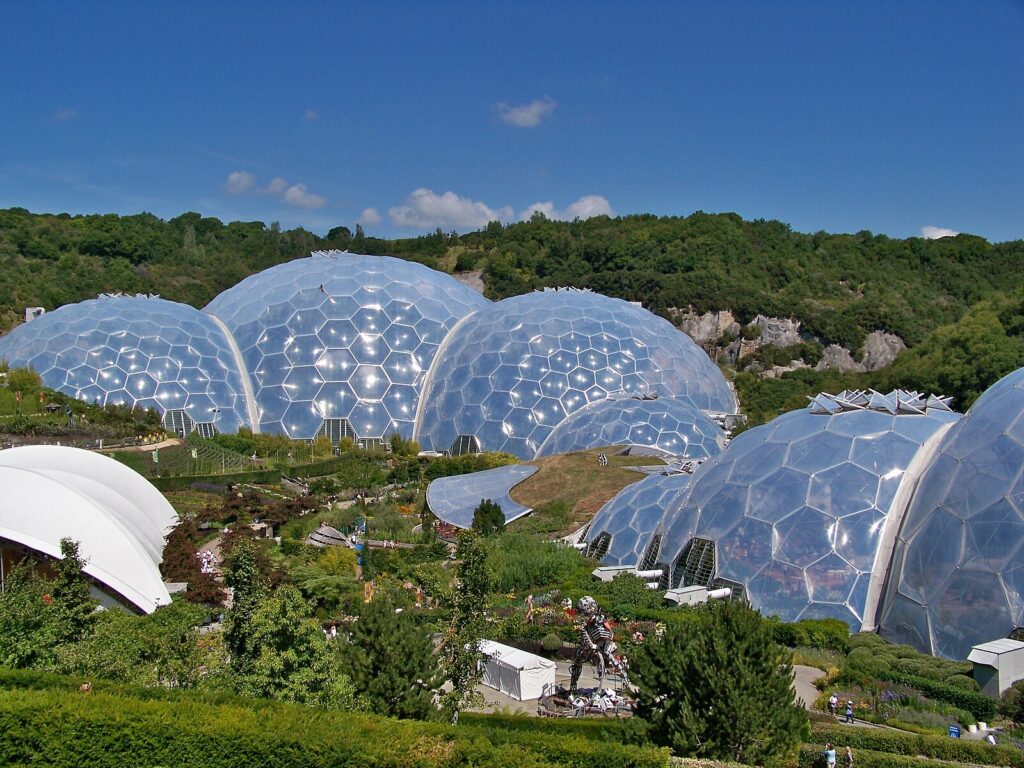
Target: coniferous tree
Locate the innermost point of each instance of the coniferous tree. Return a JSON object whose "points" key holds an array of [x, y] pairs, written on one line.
{"points": [[392, 664], [71, 592], [459, 652], [719, 688], [250, 588], [488, 518]]}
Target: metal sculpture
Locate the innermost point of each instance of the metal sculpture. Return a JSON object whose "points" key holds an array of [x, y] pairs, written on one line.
{"points": [[596, 644]]}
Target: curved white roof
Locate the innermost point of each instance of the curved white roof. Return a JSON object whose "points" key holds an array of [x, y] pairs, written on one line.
{"points": [[117, 518], [130, 497]]}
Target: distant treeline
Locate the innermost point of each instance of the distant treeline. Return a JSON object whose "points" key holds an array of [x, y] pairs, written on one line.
{"points": [[841, 287]]}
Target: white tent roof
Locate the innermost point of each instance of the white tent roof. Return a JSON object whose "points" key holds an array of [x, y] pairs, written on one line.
{"points": [[143, 508], [117, 518], [514, 657]]}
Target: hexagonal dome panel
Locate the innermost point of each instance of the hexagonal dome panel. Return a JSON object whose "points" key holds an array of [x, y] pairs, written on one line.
{"points": [[136, 351], [670, 425], [955, 580], [342, 336], [549, 354], [624, 528], [797, 508]]}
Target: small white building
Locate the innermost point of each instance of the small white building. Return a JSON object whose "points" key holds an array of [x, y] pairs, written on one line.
{"points": [[517, 674], [997, 665]]}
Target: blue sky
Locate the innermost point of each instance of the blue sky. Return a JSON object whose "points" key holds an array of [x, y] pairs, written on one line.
{"points": [[838, 116]]}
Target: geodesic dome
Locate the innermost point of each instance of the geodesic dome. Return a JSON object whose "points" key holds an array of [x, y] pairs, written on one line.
{"points": [[624, 529], [958, 574], [514, 370], [135, 351], [339, 344], [665, 423], [794, 512]]}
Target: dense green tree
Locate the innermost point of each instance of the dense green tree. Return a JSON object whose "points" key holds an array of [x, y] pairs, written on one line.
{"points": [[719, 688], [459, 650], [250, 588], [70, 593], [288, 658], [488, 519], [392, 663]]}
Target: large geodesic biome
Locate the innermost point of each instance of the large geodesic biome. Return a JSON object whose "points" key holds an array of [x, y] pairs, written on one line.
{"points": [[510, 373], [626, 531], [957, 577], [794, 514], [666, 424], [339, 344], [137, 351]]}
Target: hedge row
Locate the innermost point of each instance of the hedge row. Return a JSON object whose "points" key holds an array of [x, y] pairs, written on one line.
{"points": [[978, 705], [184, 482], [594, 728], [938, 747], [60, 728], [316, 469], [811, 757]]}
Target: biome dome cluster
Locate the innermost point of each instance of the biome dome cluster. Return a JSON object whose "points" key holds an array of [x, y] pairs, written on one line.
{"points": [[340, 345]]}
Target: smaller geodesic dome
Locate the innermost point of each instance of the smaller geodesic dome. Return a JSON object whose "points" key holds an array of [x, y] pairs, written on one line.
{"points": [[958, 568], [338, 344], [795, 512], [510, 373], [626, 529], [673, 426], [137, 351], [118, 519]]}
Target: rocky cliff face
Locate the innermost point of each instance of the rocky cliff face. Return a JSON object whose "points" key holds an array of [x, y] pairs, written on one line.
{"points": [[880, 349], [708, 328], [838, 358], [777, 332]]}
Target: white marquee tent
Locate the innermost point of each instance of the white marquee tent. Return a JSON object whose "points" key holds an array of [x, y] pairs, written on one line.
{"points": [[516, 673]]}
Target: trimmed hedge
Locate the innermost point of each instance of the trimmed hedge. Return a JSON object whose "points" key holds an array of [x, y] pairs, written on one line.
{"points": [[594, 728], [978, 705], [316, 469], [61, 728], [937, 747], [184, 482], [811, 757]]}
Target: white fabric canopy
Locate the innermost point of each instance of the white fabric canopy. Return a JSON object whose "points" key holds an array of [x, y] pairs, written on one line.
{"points": [[516, 673], [117, 518]]}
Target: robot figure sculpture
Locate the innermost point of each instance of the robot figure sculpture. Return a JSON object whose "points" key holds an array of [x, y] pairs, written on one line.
{"points": [[595, 643]]}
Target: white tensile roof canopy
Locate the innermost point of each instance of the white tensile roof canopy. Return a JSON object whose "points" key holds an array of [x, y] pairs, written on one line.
{"points": [[118, 518]]}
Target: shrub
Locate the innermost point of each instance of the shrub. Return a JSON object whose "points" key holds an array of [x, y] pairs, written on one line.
{"points": [[963, 681], [73, 729], [552, 642], [831, 634], [937, 747], [981, 707]]}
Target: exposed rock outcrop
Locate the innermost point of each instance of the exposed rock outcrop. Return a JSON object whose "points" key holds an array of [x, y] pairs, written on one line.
{"points": [[777, 332], [880, 349], [708, 328], [837, 358]]}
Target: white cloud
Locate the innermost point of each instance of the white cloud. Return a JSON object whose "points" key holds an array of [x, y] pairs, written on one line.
{"points": [[934, 233], [276, 187], [310, 114], [239, 183], [298, 195], [64, 114], [586, 207], [370, 217], [301, 197], [526, 115], [425, 209]]}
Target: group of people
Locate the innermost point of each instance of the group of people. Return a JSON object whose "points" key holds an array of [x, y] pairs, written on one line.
{"points": [[830, 757], [833, 707]]}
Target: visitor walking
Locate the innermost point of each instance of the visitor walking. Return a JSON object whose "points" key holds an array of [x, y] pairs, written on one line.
{"points": [[833, 705], [830, 756], [849, 712], [848, 758]]}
